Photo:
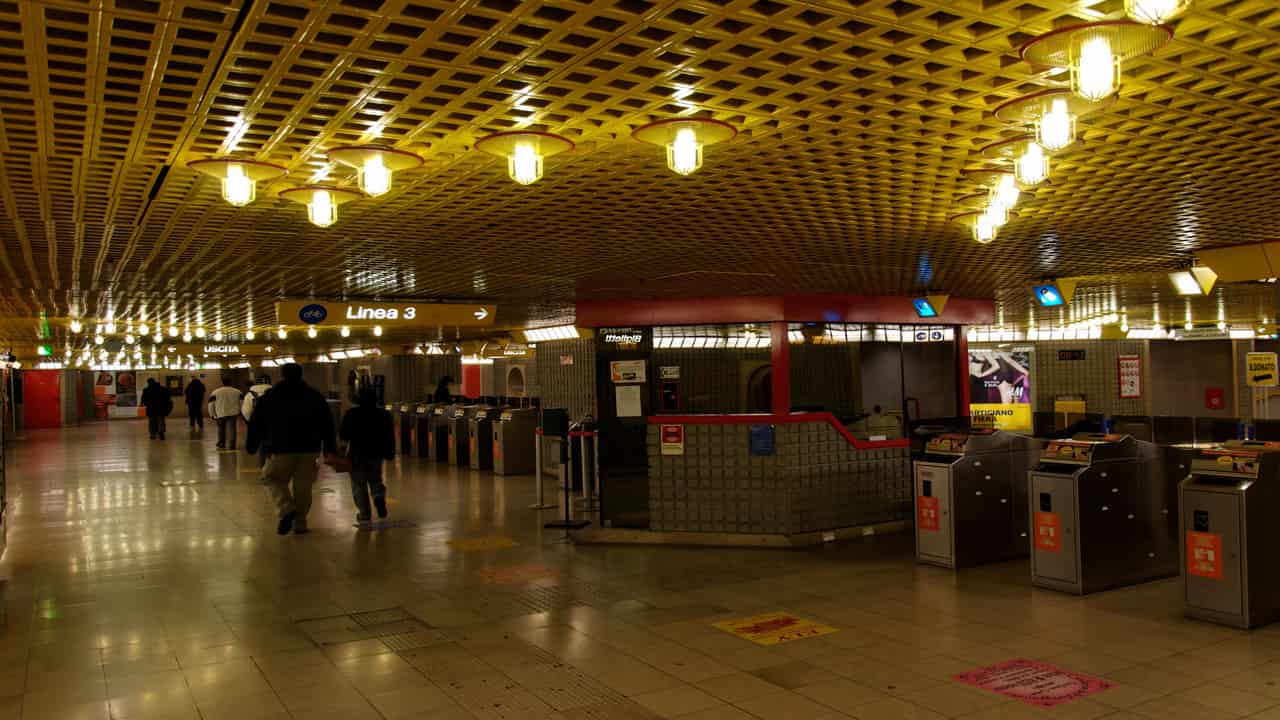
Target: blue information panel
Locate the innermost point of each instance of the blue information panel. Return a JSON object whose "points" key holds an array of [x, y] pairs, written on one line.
{"points": [[761, 440]]}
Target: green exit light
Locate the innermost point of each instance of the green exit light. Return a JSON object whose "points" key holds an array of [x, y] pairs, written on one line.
{"points": [[44, 350]]}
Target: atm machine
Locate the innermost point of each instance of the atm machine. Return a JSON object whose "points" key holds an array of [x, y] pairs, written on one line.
{"points": [[514, 436], [480, 433], [438, 438], [459, 427], [971, 498], [1231, 540], [1097, 518]]}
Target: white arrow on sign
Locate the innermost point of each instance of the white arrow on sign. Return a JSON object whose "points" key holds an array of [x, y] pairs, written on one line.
{"points": [[481, 314]]}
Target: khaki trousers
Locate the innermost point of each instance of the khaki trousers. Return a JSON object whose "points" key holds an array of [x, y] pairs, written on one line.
{"points": [[301, 469]]}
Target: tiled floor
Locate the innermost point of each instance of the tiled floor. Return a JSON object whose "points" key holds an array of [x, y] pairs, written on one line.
{"points": [[145, 580]]}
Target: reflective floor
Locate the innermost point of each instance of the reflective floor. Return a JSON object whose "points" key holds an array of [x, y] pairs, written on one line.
{"points": [[145, 580]]}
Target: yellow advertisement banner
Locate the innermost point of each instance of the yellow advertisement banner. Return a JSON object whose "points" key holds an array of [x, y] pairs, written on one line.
{"points": [[1011, 416]]}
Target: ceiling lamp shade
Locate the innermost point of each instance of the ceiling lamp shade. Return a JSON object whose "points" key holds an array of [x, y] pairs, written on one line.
{"points": [[239, 177], [1005, 192], [322, 201], [1194, 281], [1155, 12], [684, 139], [524, 151], [1032, 166], [983, 225], [374, 165], [1051, 113], [1095, 52]]}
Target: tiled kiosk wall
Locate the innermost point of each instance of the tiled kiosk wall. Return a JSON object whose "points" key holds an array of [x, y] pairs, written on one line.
{"points": [[815, 481]]}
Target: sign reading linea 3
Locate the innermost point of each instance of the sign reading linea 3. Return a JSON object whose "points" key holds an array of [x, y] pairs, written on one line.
{"points": [[360, 312]]}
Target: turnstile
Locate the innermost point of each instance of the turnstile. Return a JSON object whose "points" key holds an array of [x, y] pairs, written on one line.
{"points": [[480, 437], [438, 438], [459, 428], [1096, 521], [406, 423], [971, 498], [514, 437], [422, 429], [1231, 539]]}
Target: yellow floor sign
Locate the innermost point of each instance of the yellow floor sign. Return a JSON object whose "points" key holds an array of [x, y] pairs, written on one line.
{"points": [[478, 544], [774, 628]]}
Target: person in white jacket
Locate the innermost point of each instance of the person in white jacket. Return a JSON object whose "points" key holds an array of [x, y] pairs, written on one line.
{"points": [[224, 408]]}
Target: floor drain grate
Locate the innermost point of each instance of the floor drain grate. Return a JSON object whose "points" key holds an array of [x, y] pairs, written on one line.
{"points": [[381, 617], [416, 640]]}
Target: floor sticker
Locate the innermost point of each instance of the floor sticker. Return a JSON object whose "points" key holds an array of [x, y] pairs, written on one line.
{"points": [[774, 628], [480, 544], [1034, 683], [517, 574]]}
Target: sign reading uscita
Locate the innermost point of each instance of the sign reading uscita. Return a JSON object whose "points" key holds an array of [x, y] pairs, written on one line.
{"points": [[403, 314]]}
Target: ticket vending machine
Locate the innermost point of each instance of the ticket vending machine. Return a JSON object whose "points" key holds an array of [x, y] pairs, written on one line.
{"points": [[514, 436], [1096, 521], [971, 498], [1228, 507], [438, 440], [480, 437], [459, 428]]}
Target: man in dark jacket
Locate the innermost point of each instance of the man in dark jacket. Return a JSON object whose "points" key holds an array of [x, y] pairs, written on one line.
{"points": [[370, 438], [442, 394], [292, 421], [195, 403], [155, 398]]}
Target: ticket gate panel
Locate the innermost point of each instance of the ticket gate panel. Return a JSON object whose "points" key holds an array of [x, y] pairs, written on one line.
{"points": [[1053, 520], [438, 441], [422, 430], [1212, 528], [407, 424], [514, 441], [480, 438], [934, 529]]}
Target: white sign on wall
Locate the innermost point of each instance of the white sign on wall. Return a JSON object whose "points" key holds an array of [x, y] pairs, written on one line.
{"points": [[1129, 369]]}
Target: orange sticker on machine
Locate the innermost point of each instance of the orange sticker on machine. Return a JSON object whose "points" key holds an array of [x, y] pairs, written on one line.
{"points": [[1048, 531], [927, 513], [1204, 555], [774, 628]]}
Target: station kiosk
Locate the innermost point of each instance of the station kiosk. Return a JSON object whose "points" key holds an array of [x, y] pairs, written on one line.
{"points": [[1096, 522], [459, 428], [1231, 539], [480, 437], [438, 437], [514, 438], [971, 498]]}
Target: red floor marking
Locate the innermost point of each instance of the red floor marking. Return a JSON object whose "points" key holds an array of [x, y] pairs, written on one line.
{"points": [[1034, 683]]}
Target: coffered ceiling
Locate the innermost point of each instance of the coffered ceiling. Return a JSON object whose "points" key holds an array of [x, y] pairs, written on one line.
{"points": [[856, 118]]}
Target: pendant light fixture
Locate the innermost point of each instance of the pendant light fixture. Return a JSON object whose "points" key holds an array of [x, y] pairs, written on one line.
{"points": [[239, 178], [1030, 164], [524, 151], [375, 165], [684, 139], [1051, 114], [1155, 12], [1095, 52], [983, 225], [322, 201]]}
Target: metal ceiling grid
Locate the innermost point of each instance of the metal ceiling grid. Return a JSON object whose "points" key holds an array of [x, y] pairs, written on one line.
{"points": [[856, 118]]}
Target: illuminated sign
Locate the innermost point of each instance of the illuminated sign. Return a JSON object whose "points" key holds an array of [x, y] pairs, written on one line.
{"points": [[415, 314], [1048, 296], [924, 308]]}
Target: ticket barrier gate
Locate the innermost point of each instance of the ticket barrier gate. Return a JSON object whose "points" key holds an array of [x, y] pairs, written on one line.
{"points": [[1096, 521], [422, 429], [514, 435], [480, 437], [438, 439], [971, 498], [406, 423], [1228, 506], [459, 429]]}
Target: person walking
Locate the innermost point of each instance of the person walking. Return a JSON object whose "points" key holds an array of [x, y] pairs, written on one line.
{"points": [[442, 394], [247, 405], [224, 408], [370, 438], [155, 398], [195, 404], [292, 421]]}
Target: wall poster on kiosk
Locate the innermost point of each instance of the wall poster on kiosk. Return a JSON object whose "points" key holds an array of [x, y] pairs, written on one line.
{"points": [[1000, 389]]}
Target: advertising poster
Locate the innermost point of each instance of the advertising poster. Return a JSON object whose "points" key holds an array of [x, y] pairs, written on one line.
{"points": [[1000, 389], [126, 389], [174, 383], [1129, 368]]}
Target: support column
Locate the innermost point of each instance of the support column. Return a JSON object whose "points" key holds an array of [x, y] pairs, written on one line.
{"points": [[962, 371], [780, 362]]}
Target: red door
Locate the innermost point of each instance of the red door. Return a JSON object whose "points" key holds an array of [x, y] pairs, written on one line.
{"points": [[42, 399]]}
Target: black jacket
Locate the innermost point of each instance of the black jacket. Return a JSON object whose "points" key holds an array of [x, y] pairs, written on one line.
{"points": [[368, 430], [291, 417], [155, 398], [195, 392]]}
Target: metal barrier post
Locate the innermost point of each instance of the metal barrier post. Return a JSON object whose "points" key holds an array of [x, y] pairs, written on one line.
{"points": [[568, 523], [537, 472]]}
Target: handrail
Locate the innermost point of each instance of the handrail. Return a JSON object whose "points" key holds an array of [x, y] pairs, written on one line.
{"points": [[784, 419]]}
